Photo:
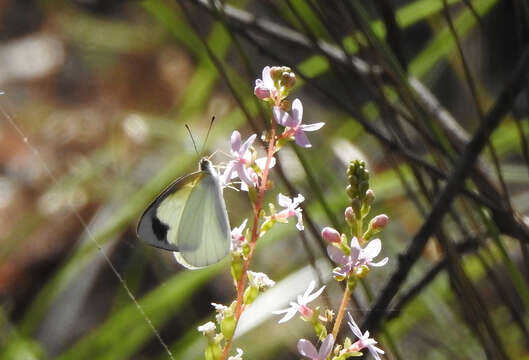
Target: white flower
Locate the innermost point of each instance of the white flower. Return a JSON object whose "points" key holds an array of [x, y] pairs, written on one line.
{"points": [[260, 280], [301, 304], [364, 341], [238, 356], [222, 311], [237, 237], [291, 209], [207, 328]]}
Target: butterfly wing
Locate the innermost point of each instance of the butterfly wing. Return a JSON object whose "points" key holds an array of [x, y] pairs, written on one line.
{"points": [[203, 235], [162, 217]]}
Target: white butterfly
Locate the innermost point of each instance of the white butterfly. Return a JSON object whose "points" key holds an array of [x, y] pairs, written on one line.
{"points": [[190, 219]]}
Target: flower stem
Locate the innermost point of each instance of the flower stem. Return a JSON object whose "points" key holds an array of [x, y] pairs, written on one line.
{"points": [[341, 312], [239, 308]]}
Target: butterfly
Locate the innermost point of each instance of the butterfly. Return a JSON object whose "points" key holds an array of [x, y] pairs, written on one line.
{"points": [[189, 218]]}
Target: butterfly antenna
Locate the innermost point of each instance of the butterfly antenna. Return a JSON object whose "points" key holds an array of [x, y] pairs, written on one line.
{"points": [[207, 135], [192, 138]]}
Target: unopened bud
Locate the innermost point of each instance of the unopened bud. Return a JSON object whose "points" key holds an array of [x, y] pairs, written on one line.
{"points": [[349, 215], [370, 197], [276, 72], [357, 206], [250, 294], [290, 80], [237, 266], [379, 221], [330, 235], [213, 351], [227, 327]]}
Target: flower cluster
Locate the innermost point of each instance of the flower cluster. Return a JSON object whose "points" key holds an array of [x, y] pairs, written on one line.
{"points": [[354, 258], [249, 173]]}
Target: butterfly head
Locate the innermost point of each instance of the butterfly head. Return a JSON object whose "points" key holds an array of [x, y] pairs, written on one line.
{"points": [[205, 165]]}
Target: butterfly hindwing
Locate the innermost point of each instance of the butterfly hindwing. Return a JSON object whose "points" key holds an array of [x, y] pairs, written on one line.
{"points": [[204, 231]]}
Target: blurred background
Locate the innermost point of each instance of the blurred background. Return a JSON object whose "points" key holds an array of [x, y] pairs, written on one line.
{"points": [[95, 97]]}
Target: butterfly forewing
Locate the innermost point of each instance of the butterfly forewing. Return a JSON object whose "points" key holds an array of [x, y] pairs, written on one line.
{"points": [[162, 217], [204, 230]]}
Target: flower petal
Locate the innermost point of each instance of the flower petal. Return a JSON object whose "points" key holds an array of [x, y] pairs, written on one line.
{"points": [[354, 328], [307, 292], [235, 141], [312, 297], [297, 111], [299, 224], [312, 127], [306, 348], [282, 117], [247, 144], [337, 255], [243, 174], [227, 174], [302, 139], [326, 346], [372, 249], [267, 79], [261, 162], [289, 315], [283, 200], [374, 351], [298, 200], [380, 263]]}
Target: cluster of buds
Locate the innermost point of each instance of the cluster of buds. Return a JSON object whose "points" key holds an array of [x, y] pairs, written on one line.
{"points": [[353, 260], [275, 84]]}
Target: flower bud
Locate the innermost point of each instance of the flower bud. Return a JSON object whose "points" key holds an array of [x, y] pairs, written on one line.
{"points": [[237, 265], [330, 235], [261, 92], [276, 72], [213, 351], [349, 215], [370, 197], [379, 222], [227, 327], [289, 79], [250, 294]]}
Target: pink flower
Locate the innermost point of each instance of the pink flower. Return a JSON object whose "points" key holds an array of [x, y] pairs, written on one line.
{"points": [[364, 341], [347, 262], [265, 88], [290, 209], [306, 348], [241, 157], [357, 256], [301, 304], [297, 129], [370, 252]]}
